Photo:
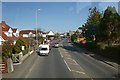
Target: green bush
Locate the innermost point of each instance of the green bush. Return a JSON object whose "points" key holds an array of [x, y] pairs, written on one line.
{"points": [[90, 45], [101, 45], [18, 46], [7, 49], [112, 52], [25, 51], [73, 37]]}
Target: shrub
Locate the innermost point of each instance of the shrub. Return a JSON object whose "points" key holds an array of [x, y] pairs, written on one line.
{"points": [[112, 52], [17, 48], [101, 45], [73, 37], [7, 49]]}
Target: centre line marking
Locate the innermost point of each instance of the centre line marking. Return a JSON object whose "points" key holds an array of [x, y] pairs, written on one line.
{"points": [[67, 65], [61, 54]]}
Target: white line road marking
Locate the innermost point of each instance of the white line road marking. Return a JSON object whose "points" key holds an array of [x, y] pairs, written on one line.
{"points": [[70, 58], [61, 53], [67, 65], [72, 63], [78, 72], [65, 52], [75, 62]]}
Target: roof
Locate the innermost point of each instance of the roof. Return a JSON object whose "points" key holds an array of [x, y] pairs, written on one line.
{"points": [[5, 28], [51, 33], [5, 37], [27, 31], [14, 30]]}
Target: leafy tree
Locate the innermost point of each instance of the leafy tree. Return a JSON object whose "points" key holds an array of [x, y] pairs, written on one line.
{"points": [[92, 25], [17, 48], [7, 49], [110, 27], [73, 37]]}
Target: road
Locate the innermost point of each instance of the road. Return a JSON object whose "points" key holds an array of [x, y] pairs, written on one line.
{"points": [[63, 62]]}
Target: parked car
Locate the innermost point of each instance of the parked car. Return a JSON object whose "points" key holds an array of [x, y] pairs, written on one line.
{"points": [[44, 49]]}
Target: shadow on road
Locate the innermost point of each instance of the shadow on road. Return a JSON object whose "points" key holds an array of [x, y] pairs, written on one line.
{"points": [[117, 76], [70, 48], [91, 54], [103, 59]]}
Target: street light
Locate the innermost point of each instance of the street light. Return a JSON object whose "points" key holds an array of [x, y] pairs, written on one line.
{"points": [[37, 23]]}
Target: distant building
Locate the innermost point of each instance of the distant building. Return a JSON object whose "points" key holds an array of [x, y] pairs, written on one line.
{"points": [[30, 33], [27, 33], [50, 35]]}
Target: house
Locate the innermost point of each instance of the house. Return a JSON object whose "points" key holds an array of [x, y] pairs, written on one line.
{"points": [[8, 33], [30, 33], [44, 35], [16, 32], [27, 33], [50, 35]]}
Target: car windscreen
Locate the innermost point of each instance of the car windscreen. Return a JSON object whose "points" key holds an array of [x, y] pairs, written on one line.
{"points": [[43, 48]]}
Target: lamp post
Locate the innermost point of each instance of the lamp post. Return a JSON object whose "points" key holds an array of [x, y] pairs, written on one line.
{"points": [[37, 24]]}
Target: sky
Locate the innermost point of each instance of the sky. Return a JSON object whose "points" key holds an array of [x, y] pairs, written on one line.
{"points": [[54, 16]]}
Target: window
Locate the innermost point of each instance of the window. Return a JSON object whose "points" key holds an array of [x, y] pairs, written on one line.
{"points": [[43, 48], [17, 34], [9, 34]]}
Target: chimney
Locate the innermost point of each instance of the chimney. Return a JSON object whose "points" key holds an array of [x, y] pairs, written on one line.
{"points": [[3, 22]]}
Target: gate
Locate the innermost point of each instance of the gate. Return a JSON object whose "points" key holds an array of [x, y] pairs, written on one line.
{"points": [[15, 58]]}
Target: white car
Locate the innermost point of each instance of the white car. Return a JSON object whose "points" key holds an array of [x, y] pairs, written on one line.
{"points": [[56, 45], [44, 49]]}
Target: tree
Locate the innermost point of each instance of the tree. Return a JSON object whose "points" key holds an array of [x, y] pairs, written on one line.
{"points": [[17, 48], [93, 23], [73, 37], [7, 49], [110, 27]]}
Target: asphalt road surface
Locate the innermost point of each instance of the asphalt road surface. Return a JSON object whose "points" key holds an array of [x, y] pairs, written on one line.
{"points": [[63, 62]]}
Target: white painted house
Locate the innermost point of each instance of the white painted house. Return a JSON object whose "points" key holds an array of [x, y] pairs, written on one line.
{"points": [[27, 33], [50, 35], [16, 32]]}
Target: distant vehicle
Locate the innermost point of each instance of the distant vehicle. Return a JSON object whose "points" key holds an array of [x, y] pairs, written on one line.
{"points": [[56, 45], [69, 41], [49, 43], [44, 49], [81, 40]]}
